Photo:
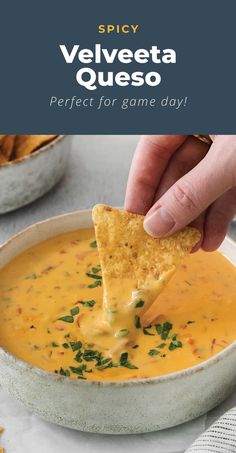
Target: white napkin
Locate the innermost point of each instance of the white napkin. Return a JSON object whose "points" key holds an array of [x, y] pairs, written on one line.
{"points": [[219, 438]]}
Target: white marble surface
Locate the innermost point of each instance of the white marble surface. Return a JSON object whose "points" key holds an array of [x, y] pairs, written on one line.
{"points": [[97, 172]]}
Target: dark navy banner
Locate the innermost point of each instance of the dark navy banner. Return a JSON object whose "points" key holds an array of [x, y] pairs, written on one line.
{"points": [[123, 67]]}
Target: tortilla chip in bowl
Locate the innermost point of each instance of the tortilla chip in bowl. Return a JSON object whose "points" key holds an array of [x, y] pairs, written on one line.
{"points": [[30, 165]]}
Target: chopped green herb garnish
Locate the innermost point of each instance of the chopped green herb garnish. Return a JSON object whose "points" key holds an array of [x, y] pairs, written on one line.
{"points": [[137, 322], [69, 319], [123, 358], [164, 335], [161, 346], [74, 311], [78, 356], [139, 304], [146, 332], [175, 344], [31, 277], [106, 363], [65, 345], [95, 284], [97, 277], [130, 365], [88, 303], [159, 328], [93, 244], [153, 352], [78, 370], [125, 362], [63, 372], [12, 289], [6, 299], [75, 345], [122, 333], [90, 355], [54, 344], [164, 329], [96, 269], [115, 364], [167, 326]]}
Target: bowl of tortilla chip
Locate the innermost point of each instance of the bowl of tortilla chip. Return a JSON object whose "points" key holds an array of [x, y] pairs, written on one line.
{"points": [[30, 165]]}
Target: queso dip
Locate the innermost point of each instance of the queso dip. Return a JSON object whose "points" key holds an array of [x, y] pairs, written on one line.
{"points": [[52, 293]]}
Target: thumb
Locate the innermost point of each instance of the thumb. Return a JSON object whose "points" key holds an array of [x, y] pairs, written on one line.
{"points": [[193, 193]]}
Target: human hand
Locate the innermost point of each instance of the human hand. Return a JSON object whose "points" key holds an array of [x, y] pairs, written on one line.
{"points": [[177, 180]]}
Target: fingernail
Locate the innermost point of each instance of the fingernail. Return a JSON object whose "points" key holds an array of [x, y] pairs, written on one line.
{"points": [[159, 223]]}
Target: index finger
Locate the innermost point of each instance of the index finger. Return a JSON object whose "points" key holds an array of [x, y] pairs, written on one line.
{"points": [[150, 160]]}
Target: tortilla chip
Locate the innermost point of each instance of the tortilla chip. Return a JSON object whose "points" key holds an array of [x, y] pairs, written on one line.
{"points": [[26, 144], [129, 255], [3, 159], [7, 145], [125, 249]]}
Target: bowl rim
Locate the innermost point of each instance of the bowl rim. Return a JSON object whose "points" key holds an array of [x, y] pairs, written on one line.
{"points": [[38, 151], [177, 375]]}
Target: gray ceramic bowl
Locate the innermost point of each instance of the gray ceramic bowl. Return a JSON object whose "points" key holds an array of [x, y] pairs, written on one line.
{"points": [[24, 181], [134, 406]]}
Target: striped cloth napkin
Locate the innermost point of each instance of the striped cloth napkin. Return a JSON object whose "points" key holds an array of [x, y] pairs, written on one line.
{"points": [[219, 438]]}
